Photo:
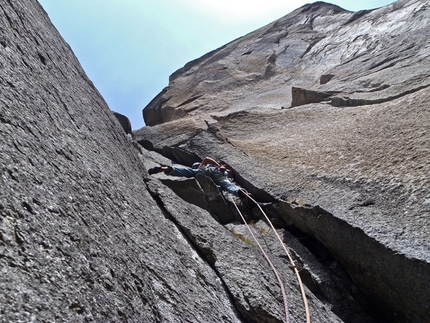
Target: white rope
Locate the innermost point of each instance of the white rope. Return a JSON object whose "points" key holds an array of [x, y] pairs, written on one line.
{"points": [[294, 267], [284, 296]]}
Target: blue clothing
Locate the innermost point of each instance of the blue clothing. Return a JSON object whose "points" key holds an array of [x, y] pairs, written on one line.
{"points": [[213, 172]]}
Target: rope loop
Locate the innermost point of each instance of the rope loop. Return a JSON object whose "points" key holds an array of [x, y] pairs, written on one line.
{"points": [[281, 285], [294, 267]]}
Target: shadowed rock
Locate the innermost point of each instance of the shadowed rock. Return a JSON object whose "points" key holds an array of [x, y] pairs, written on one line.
{"points": [[301, 96], [124, 121]]}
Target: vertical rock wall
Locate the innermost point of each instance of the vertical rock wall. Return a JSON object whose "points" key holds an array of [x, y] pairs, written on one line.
{"points": [[81, 239]]}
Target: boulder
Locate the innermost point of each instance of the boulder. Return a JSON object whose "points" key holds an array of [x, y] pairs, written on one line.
{"points": [[124, 121], [302, 96]]}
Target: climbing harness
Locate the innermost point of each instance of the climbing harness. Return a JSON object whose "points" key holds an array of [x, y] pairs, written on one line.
{"points": [[294, 267]]}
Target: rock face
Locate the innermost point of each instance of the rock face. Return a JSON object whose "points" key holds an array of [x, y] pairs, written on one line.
{"points": [[324, 116], [86, 235], [349, 58], [81, 237]]}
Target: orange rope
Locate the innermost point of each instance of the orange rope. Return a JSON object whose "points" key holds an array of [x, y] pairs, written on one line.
{"points": [[305, 301], [268, 260]]}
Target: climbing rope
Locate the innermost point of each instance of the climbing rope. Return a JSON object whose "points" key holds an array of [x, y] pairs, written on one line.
{"points": [[267, 259], [294, 267]]}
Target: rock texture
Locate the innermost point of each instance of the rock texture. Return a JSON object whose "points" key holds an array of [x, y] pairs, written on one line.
{"points": [[346, 58], [87, 236], [324, 115], [81, 237], [124, 121]]}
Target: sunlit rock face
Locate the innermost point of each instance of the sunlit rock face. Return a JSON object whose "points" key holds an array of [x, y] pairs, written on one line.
{"points": [[324, 115], [350, 58]]}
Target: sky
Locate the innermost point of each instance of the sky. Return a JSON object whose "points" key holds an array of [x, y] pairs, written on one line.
{"points": [[129, 48]]}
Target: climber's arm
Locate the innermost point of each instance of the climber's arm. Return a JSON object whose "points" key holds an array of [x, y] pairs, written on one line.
{"points": [[209, 161]]}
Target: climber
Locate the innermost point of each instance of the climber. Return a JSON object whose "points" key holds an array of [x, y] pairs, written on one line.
{"points": [[219, 173]]}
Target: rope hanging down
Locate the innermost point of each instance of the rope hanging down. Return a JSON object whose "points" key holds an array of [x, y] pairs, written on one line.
{"points": [[294, 267], [268, 260]]}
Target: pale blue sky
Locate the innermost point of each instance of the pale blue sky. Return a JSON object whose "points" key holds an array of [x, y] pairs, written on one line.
{"points": [[129, 48]]}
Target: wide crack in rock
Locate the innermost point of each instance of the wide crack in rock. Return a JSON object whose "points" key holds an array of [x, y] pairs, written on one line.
{"points": [[323, 275]]}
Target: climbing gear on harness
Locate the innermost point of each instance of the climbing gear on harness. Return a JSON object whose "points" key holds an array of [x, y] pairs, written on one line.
{"points": [[196, 165], [295, 268], [214, 172]]}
